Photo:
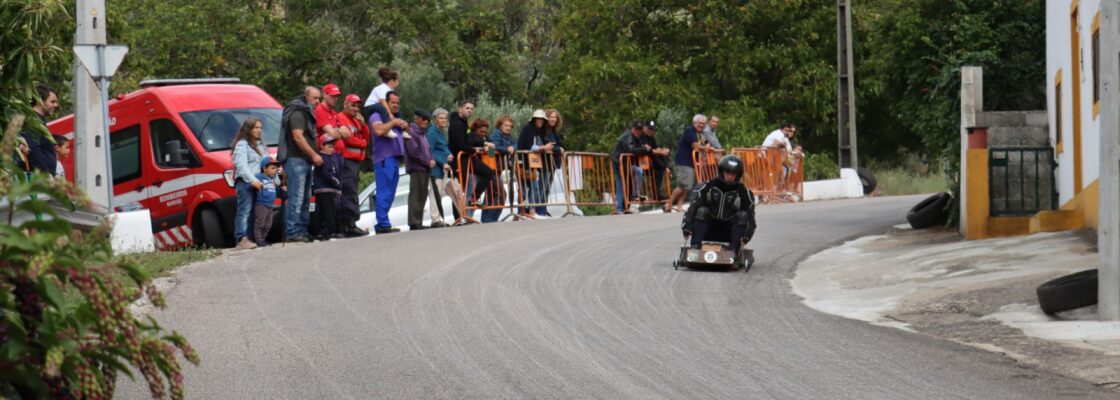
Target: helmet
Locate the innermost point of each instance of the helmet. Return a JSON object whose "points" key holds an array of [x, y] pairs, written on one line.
{"points": [[731, 164]]}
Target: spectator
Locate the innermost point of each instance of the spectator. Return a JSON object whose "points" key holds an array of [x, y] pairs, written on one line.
{"points": [[326, 118], [534, 137], [505, 146], [628, 143], [659, 158], [780, 137], [390, 79], [555, 125], [62, 149], [710, 132], [418, 163], [266, 198], [684, 170], [298, 151], [327, 187], [41, 154], [21, 156], [355, 138], [441, 173], [388, 147], [248, 151], [484, 175], [457, 133]]}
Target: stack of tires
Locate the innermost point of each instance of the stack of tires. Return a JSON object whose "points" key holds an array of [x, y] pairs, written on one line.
{"points": [[932, 211]]}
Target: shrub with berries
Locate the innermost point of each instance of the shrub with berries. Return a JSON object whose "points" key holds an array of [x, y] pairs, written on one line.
{"points": [[66, 330]]}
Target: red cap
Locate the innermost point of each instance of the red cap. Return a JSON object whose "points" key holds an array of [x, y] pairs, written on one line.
{"points": [[331, 90], [353, 98]]}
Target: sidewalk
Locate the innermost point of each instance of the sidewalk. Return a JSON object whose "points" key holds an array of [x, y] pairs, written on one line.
{"points": [[978, 293]]}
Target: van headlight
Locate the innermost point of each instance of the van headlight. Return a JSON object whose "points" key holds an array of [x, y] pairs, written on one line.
{"points": [[229, 177]]}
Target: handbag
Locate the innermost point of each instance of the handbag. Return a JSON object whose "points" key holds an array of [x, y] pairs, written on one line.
{"points": [[535, 161]]}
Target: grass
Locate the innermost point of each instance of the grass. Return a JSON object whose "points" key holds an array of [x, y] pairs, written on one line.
{"points": [[160, 263], [903, 181]]}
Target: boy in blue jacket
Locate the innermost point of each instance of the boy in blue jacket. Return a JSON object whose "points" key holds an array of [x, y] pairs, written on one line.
{"points": [[327, 187], [266, 198]]}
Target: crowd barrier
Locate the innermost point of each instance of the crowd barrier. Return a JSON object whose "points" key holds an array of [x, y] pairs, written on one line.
{"points": [[527, 179], [772, 174], [642, 183]]}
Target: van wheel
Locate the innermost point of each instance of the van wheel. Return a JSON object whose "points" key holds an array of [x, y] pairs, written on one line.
{"points": [[212, 233]]}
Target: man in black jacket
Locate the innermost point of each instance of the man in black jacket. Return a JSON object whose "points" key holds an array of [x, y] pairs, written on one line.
{"points": [[628, 143], [724, 209], [299, 151], [457, 132], [41, 153]]}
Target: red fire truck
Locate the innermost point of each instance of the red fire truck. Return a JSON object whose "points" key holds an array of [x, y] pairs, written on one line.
{"points": [[170, 148]]}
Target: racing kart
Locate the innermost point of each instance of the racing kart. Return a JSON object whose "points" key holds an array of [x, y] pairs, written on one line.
{"points": [[714, 254]]}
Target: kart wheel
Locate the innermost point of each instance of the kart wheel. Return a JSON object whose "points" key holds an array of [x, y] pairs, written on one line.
{"points": [[676, 264]]}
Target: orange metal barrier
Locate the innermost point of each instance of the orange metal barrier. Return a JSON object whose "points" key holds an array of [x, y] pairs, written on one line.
{"points": [[643, 188], [706, 164], [590, 181], [534, 174], [771, 174], [494, 197]]}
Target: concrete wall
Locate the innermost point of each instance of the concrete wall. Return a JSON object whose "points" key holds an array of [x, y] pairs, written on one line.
{"points": [[1059, 65], [1015, 128]]}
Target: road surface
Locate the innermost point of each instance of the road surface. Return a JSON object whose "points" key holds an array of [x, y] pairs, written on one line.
{"points": [[575, 308]]}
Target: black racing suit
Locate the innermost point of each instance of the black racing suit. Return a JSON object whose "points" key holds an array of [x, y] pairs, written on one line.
{"points": [[723, 212]]}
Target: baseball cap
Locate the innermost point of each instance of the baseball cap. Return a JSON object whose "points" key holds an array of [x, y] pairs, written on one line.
{"points": [[651, 124], [269, 161], [636, 125], [353, 98], [331, 90]]}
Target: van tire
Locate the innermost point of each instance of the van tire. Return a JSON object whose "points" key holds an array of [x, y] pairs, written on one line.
{"points": [[867, 179], [930, 212], [213, 235], [1068, 292]]}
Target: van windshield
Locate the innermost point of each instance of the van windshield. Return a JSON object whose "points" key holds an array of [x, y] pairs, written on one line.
{"points": [[215, 129]]}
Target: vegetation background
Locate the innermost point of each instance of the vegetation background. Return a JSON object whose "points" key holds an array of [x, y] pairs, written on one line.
{"points": [[605, 63]]}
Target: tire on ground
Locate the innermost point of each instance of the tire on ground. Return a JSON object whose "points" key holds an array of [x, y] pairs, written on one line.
{"points": [[212, 234], [867, 179], [1068, 292], [930, 212]]}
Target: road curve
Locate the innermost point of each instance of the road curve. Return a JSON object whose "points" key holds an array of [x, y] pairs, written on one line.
{"points": [[572, 308]]}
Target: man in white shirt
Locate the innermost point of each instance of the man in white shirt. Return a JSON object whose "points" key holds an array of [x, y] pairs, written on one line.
{"points": [[780, 137]]}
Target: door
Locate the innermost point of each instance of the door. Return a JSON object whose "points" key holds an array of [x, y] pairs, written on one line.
{"points": [[172, 183]]}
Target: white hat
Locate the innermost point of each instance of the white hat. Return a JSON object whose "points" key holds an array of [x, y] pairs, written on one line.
{"points": [[539, 114]]}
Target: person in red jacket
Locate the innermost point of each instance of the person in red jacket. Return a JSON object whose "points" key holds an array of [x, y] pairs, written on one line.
{"points": [[326, 118], [355, 137]]}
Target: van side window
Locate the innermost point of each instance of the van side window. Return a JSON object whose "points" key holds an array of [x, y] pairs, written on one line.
{"points": [[163, 131], [125, 146]]}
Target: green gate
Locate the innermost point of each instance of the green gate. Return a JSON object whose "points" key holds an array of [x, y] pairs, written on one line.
{"points": [[1021, 180]]}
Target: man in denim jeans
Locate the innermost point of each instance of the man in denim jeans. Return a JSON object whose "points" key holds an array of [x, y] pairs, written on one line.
{"points": [[299, 151], [628, 143]]}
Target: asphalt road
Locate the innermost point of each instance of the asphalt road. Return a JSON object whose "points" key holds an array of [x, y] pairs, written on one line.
{"points": [[569, 309]]}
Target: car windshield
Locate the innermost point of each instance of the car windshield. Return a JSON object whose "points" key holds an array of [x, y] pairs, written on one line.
{"points": [[215, 129]]}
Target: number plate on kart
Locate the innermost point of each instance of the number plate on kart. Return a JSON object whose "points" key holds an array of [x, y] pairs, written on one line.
{"points": [[710, 257]]}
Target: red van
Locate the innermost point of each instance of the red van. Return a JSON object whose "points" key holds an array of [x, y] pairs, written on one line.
{"points": [[170, 145]]}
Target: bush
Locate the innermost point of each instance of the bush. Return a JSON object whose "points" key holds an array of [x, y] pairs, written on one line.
{"points": [[820, 166], [66, 330]]}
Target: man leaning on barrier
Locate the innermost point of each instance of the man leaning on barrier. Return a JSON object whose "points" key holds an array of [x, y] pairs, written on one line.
{"points": [[724, 209]]}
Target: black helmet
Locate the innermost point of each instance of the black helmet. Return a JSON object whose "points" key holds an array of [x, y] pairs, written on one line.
{"points": [[731, 164]]}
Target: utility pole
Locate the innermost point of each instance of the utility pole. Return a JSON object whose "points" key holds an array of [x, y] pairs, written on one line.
{"points": [[1108, 238], [91, 147], [846, 95], [95, 61]]}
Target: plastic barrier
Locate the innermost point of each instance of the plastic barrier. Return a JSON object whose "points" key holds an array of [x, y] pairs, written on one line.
{"points": [[773, 175], [706, 164], [640, 182], [590, 181], [534, 174]]}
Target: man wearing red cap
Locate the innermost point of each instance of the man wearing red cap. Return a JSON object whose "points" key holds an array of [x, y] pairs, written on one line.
{"points": [[355, 138], [326, 118]]}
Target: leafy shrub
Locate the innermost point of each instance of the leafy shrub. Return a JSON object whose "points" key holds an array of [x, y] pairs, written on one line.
{"points": [[66, 330], [820, 166]]}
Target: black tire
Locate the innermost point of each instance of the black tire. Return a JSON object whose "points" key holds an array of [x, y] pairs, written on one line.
{"points": [[930, 212], [867, 179], [213, 235], [1068, 292]]}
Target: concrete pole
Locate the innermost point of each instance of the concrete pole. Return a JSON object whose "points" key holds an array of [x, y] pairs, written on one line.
{"points": [[972, 104], [846, 93], [1108, 238], [90, 145]]}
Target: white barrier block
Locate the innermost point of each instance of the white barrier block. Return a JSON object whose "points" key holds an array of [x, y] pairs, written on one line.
{"points": [[132, 232], [847, 187]]}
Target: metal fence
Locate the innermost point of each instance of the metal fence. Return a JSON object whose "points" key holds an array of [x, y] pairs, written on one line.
{"points": [[1021, 180]]}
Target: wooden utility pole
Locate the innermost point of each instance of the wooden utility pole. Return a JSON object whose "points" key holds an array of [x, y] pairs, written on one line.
{"points": [[846, 95]]}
